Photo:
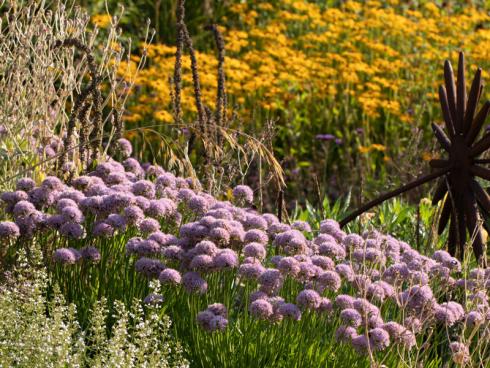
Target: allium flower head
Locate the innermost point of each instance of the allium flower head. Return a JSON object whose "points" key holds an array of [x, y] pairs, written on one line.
{"points": [[460, 353], [23, 209], [90, 254], [308, 299], [148, 226], [198, 204], [153, 299], [25, 184], [170, 276], [417, 298], [72, 230], [243, 194], [289, 266], [219, 235], [324, 262], [67, 256], [144, 188], [256, 236], [149, 267], [261, 309], [52, 183], [351, 317], [251, 270], [399, 334], [226, 259], [329, 280], [474, 318], [204, 319], [449, 313], [133, 215], [361, 344], [345, 271], [344, 301], [271, 280], [255, 250], [103, 230], [289, 310], [218, 309], [202, 262], [379, 338], [302, 226], [9, 230], [124, 146], [72, 214], [345, 334], [194, 283]]}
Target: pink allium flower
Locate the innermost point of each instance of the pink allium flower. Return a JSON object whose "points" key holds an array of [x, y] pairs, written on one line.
{"points": [[256, 236], [202, 263], [345, 271], [90, 254], [460, 353], [474, 319], [329, 280], [194, 283], [271, 280], [243, 194], [170, 276], [413, 324], [360, 344], [226, 259], [379, 338], [103, 229], [261, 309], [25, 184], [289, 310], [417, 299], [308, 299], [345, 334], [144, 188], [72, 230], [344, 301], [149, 267], [449, 313], [251, 270], [67, 256], [302, 226], [218, 309], [9, 230], [324, 262], [204, 319], [351, 317], [149, 225], [173, 252], [153, 299], [255, 250], [256, 295], [289, 266], [23, 209]]}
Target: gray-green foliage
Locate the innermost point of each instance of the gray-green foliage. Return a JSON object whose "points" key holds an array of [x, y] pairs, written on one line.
{"points": [[37, 331]]}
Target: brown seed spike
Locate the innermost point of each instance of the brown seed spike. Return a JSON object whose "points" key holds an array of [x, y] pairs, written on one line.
{"points": [[473, 99], [450, 88], [461, 95]]}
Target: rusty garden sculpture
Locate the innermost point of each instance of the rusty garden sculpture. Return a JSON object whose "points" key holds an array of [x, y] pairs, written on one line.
{"points": [[465, 202]]}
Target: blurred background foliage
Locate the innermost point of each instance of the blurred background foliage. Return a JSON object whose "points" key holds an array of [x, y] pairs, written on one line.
{"points": [[351, 87]]}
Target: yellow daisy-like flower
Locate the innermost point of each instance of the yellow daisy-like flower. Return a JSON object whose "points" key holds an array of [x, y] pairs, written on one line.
{"points": [[101, 20]]}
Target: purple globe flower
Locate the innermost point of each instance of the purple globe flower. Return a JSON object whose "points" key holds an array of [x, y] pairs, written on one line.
{"points": [[9, 230], [379, 338], [153, 299], [125, 147], [194, 283], [103, 229], [308, 299], [361, 344], [218, 309], [90, 254], [23, 209], [202, 262], [148, 226], [133, 215], [345, 334], [255, 250], [72, 230], [329, 280], [204, 319], [67, 256], [226, 259], [460, 353], [251, 271], [170, 276], [25, 184], [150, 268], [289, 310], [261, 309], [351, 317], [243, 194], [344, 301]]}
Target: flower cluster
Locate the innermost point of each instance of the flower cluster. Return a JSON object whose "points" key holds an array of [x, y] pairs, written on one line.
{"points": [[183, 237]]}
